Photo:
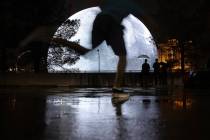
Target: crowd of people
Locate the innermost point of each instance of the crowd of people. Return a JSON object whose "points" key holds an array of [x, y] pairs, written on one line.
{"points": [[159, 75]]}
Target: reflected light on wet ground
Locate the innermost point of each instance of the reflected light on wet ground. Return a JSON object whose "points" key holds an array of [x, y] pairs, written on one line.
{"points": [[98, 114], [98, 118]]}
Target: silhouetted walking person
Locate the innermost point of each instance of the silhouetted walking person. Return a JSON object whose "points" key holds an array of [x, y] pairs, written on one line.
{"points": [[145, 73], [107, 26], [163, 74], [156, 67]]}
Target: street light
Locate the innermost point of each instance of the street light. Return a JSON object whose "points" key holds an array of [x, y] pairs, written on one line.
{"points": [[98, 60]]}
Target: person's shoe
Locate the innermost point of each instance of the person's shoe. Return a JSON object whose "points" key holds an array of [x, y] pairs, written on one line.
{"points": [[115, 89]]}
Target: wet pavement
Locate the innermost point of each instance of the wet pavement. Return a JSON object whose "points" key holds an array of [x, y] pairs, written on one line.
{"points": [[99, 114]]}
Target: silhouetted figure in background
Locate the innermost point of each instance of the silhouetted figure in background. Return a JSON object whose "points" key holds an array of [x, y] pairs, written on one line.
{"points": [[156, 67], [145, 73], [107, 26], [208, 64], [163, 73]]}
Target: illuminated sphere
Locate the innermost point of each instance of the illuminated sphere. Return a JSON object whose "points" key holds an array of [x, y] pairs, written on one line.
{"points": [[138, 41]]}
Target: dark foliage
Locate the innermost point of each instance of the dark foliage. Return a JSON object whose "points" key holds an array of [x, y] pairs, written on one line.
{"points": [[59, 55]]}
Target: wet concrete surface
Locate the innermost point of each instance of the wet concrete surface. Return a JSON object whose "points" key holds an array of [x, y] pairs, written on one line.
{"points": [[99, 114]]}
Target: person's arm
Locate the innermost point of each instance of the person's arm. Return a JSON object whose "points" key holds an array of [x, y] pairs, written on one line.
{"points": [[73, 45]]}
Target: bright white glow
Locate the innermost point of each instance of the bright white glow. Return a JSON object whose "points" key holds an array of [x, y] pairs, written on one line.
{"points": [[137, 38]]}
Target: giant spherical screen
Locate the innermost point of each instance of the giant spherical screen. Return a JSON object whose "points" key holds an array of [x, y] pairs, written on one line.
{"points": [[77, 28]]}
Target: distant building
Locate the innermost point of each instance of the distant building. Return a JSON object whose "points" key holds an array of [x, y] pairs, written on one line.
{"points": [[170, 52]]}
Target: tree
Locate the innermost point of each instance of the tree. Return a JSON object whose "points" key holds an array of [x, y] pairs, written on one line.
{"points": [[183, 21], [59, 55]]}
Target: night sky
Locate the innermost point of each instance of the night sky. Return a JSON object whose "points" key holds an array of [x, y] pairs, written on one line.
{"points": [[173, 18], [182, 19]]}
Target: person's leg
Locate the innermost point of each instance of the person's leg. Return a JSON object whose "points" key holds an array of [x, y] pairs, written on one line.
{"points": [[105, 27], [119, 78], [118, 46]]}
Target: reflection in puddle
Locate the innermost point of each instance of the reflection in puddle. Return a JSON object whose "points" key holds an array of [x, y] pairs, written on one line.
{"points": [[183, 102], [117, 116], [117, 100], [12, 102], [103, 115]]}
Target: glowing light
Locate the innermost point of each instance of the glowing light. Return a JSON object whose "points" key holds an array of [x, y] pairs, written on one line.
{"points": [[137, 38]]}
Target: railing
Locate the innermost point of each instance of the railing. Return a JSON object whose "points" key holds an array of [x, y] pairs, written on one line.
{"points": [[102, 71], [102, 79]]}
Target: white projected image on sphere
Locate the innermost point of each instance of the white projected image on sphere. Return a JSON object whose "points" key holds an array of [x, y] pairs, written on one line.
{"points": [[137, 37]]}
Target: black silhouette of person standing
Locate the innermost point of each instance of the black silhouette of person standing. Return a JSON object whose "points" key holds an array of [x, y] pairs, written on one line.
{"points": [[156, 67], [163, 74], [145, 73]]}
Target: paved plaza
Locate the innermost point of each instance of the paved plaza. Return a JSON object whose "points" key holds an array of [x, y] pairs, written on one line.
{"points": [[98, 114]]}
